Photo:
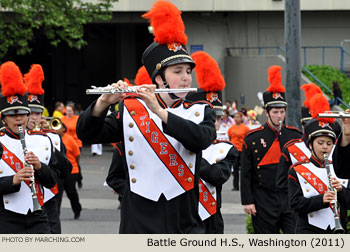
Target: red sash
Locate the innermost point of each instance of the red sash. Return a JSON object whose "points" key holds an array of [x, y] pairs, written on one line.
{"points": [[16, 164], [299, 153], [313, 180], [171, 159], [206, 198]]}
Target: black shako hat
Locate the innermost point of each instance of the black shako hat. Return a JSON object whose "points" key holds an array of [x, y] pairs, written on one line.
{"points": [[13, 98], [274, 96]]}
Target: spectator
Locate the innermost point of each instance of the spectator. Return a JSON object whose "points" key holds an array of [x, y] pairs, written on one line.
{"points": [[252, 121], [226, 123], [59, 108], [236, 135], [337, 93]]}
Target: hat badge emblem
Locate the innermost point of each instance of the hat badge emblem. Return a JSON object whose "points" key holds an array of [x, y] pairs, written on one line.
{"points": [[12, 99], [324, 125], [33, 98], [212, 96], [174, 47], [276, 96]]}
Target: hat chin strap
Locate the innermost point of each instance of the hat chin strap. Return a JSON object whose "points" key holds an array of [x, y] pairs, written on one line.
{"points": [[166, 85]]}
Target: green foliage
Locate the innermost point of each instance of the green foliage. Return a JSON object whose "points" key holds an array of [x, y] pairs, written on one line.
{"points": [[327, 74], [249, 224], [60, 20]]}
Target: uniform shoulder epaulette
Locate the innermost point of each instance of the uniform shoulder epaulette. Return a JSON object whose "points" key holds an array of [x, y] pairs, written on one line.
{"points": [[49, 131], [299, 163], [216, 141], [188, 104], [293, 128], [32, 132], [254, 130], [292, 141]]}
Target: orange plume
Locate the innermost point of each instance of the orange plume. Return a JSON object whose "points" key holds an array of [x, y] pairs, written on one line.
{"points": [[142, 76], [310, 90], [165, 19], [275, 80], [34, 79], [320, 104], [11, 79], [208, 73]]}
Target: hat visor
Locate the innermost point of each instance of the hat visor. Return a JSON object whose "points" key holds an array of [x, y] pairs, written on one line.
{"points": [[219, 112], [276, 105], [35, 109], [180, 61], [16, 112]]}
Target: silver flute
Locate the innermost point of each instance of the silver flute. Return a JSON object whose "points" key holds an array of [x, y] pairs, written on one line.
{"points": [[334, 114], [133, 89]]}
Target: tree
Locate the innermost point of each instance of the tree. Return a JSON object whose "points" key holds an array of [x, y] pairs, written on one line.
{"points": [[59, 20]]}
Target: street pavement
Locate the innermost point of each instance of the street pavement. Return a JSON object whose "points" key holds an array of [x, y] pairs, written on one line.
{"points": [[100, 214]]}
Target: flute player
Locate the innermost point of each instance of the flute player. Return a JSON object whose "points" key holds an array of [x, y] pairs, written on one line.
{"points": [[163, 135]]}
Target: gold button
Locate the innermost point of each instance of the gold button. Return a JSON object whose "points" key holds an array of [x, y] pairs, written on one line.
{"points": [[41, 197], [132, 166], [311, 215], [46, 148], [305, 182], [197, 114], [130, 152], [186, 105], [214, 142], [256, 151], [259, 176], [307, 189], [1, 171], [217, 160], [131, 125], [258, 158], [253, 143], [213, 192], [133, 113], [258, 167], [189, 179], [56, 143], [6, 201], [131, 139], [133, 180], [213, 203], [343, 182], [190, 165], [303, 173], [191, 153], [295, 154], [55, 187], [260, 183], [221, 151], [47, 158], [158, 66]]}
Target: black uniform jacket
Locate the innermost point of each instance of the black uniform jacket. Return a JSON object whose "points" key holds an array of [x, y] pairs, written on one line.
{"points": [[46, 177], [116, 178], [303, 205], [341, 160], [141, 215], [260, 158]]}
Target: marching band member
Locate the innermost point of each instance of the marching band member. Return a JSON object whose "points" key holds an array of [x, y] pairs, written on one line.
{"points": [[259, 161], [33, 81], [163, 136], [220, 156], [18, 197], [308, 180]]}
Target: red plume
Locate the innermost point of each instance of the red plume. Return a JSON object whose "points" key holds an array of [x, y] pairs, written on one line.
{"points": [[142, 76], [310, 90], [208, 73], [320, 104], [34, 79], [165, 19], [275, 80], [11, 79]]}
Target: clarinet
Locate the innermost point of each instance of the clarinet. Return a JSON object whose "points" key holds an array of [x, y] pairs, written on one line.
{"points": [[334, 203], [36, 204]]}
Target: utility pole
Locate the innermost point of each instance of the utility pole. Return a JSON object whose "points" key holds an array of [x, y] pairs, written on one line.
{"points": [[292, 34]]}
